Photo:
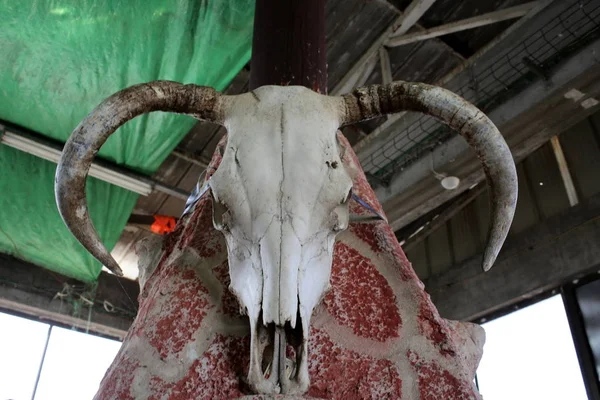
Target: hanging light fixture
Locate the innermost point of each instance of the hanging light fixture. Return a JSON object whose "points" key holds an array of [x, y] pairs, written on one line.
{"points": [[448, 182]]}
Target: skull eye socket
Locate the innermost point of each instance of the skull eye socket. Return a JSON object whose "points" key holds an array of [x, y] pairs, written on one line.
{"points": [[220, 215]]}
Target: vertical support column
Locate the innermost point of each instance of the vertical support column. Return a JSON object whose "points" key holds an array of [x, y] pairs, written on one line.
{"points": [[581, 342], [288, 47]]}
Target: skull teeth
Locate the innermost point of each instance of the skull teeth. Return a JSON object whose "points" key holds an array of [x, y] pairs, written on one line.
{"points": [[290, 367], [267, 372]]}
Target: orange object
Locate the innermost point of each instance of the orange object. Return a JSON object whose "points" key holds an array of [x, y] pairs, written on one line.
{"points": [[163, 224]]}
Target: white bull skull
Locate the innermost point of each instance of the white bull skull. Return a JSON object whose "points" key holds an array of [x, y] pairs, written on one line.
{"points": [[281, 193]]}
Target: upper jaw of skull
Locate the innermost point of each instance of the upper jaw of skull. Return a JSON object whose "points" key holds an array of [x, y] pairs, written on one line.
{"points": [[279, 280], [280, 197]]}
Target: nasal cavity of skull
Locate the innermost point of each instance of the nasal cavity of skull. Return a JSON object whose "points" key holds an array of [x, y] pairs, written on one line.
{"points": [[332, 164], [281, 349]]}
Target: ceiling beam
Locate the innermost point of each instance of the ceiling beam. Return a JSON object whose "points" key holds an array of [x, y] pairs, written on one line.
{"points": [[552, 253], [403, 23], [52, 298], [470, 23], [412, 15], [191, 157]]}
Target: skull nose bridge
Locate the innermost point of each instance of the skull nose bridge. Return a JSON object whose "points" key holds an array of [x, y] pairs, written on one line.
{"points": [[280, 253]]}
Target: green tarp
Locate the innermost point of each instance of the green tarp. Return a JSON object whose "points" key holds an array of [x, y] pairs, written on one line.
{"points": [[58, 60]]}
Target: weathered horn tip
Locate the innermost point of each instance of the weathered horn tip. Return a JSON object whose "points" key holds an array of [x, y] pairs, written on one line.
{"points": [[113, 267], [488, 262]]}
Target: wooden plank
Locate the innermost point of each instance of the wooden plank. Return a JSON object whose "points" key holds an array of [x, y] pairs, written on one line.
{"points": [[564, 171], [190, 157], [28, 289], [559, 249], [349, 40], [368, 71], [469, 23], [386, 67], [412, 15], [404, 22]]}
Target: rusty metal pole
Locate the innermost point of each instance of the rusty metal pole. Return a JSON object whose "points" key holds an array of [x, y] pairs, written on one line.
{"points": [[288, 46]]}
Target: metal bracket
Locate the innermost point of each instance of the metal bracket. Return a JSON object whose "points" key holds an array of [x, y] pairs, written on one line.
{"points": [[196, 195], [361, 218]]}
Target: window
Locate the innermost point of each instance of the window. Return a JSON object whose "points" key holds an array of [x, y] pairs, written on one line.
{"points": [[529, 354], [72, 368], [22, 344], [74, 365]]}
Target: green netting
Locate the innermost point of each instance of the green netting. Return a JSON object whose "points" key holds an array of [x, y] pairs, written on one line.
{"points": [[31, 227], [59, 59]]}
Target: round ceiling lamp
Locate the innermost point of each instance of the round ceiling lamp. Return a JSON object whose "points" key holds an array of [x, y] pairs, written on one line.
{"points": [[448, 182]]}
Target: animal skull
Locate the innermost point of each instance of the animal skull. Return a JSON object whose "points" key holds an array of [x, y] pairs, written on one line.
{"points": [[280, 194], [280, 197]]}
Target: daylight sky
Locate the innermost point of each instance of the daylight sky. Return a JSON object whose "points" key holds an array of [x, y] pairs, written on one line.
{"points": [[529, 355]]}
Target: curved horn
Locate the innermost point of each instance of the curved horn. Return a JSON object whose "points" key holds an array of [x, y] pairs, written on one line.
{"points": [[198, 101], [479, 131]]}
